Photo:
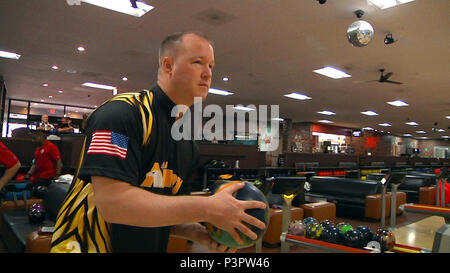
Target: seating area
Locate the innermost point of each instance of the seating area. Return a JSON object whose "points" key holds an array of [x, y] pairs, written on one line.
{"points": [[353, 198], [419, 187]]}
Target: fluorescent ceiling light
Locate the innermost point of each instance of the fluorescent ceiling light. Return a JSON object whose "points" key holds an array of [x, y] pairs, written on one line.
{"points": [[367, 128], [123, 6], [420, 132], [243, 108], [445, 137], [447, 117], [424, 137], [385, 124], [384, 4], [397, 103], [407, 135], [369, 113], [324, 121], [9, 55], [219, 92], [328, 113], [412, 123], [332, 72], [297, 96], [97, 85], [441, 130]]}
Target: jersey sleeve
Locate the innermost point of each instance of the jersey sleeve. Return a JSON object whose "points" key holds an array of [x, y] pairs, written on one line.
{"points": [[7, 157], [113, 144], [54, 153]]}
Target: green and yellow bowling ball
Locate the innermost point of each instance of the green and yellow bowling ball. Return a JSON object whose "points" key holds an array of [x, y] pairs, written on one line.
{"points": [[248, 193]]}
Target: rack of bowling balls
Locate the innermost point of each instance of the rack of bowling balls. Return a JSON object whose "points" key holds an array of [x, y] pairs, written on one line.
{"points": [[343, 237]]}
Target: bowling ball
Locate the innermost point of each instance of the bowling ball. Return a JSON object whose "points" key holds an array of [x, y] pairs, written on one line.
{"points": [[354, 238], [310, 220], [37, 206], [36, 215], [386, 239], [40, 191], [248, 193], [297, 228], [313, 231], [368, 235], [326, 223], [331, 234], [343, 228]]}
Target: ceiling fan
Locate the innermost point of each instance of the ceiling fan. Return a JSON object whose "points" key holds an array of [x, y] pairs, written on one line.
{"points": [[384, 78]]}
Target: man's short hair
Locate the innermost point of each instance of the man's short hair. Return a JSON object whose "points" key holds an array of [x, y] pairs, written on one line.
{"points": [[170, 43]]}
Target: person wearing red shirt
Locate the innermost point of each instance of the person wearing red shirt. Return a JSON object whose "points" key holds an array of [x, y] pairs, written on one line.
{"points": [[47, 161], [11, 163]]}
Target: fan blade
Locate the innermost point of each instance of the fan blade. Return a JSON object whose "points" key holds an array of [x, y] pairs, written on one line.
{"points": [[387, 75], [393, 82]]}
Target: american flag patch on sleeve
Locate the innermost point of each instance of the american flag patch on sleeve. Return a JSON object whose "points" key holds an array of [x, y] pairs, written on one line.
{"points": [[109, 143]]}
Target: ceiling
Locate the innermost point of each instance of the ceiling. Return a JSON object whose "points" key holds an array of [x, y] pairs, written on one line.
{"points": [[267, 49]]}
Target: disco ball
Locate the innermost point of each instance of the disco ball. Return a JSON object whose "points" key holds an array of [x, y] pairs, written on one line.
{"points": [[360, 33]]}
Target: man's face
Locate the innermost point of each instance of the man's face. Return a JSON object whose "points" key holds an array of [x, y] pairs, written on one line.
{"points": [[192, 68], [45, 118]]}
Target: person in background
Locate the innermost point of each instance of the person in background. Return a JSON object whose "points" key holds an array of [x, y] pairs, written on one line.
{"points": [[11, 163], [84, 123], [66, 125], [45, 124], [47, 162]]}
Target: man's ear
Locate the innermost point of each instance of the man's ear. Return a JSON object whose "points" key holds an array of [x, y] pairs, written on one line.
{"points": [[167, 65]]}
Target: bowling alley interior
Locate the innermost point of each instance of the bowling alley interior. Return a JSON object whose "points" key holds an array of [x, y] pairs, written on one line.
{"points": [[339, 110]]}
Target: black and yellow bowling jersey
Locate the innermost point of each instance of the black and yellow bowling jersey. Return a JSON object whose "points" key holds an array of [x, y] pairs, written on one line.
{"points": [[127, 138]]}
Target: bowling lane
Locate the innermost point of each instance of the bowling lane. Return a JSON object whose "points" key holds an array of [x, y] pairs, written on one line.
{"points": [[419, 234]]}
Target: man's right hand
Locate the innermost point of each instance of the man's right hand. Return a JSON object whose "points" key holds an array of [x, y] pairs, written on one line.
{"points": [[228, 213]]}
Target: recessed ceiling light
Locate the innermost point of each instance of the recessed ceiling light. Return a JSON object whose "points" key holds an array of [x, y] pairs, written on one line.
{"points": [[385, 124], [97, 85], [50, 96], [95, 106], [297, 96], [412, 123], [369, 113], [424, 137], [123, 6], [397, 103], [407, 135], [42, 100], [328, 113], [124, 79], [420, 132], [447, 117], [81, 48], [219, 92], [55, 67], [441, 130], [45, 84], [60, 91], [9, 55], [367, 128], [332, 72], [324, 121], [243, 108], [384, 4], [445, 137], [225, 79]]}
